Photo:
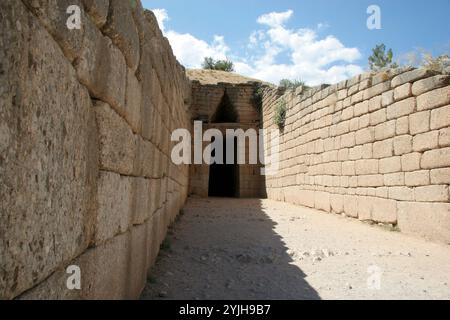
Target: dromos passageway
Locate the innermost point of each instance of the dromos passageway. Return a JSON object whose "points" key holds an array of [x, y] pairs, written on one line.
{"points": [[262, 249]]}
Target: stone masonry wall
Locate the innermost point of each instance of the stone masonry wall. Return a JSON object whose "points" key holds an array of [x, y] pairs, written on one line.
{"points": [[85, 123], [375, 147]]}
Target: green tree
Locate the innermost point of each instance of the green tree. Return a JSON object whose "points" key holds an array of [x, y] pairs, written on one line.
{"points": [[381, 59], [222, 65]]}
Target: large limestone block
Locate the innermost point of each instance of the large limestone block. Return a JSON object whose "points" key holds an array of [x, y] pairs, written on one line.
{"points": [[429, 84], [141, 200], [106, 270], [138, 262], [377, 209], [105, 275], [351, 206], [439, 158], [322, 201], [102, 69], [444, 137], [98, 10], [429, 220], [143, 166], [411, 76], [337, 203], [440, 118], [419, 122], [114, 206], [47, 167], [434, 99], [440, 176], [411, 161], [53, 16], [121, 28], [401, 108], [117, 143], [369, 166], [439, 193], [133, 102]]}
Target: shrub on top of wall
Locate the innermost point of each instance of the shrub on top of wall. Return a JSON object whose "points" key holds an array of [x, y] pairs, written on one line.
{"points": [[280, 114], [258, 97]]}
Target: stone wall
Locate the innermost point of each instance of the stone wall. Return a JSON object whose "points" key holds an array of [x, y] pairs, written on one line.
{"points": [[85, 123], [375, 147]]}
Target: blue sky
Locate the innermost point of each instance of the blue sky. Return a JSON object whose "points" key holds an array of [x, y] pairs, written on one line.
{"points": [[313, 40]]}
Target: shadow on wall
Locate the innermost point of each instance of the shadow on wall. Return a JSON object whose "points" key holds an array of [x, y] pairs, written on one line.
{"points": [[226, 249]]}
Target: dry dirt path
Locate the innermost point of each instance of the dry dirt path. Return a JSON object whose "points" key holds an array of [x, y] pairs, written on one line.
{"points": [[261, 249]]}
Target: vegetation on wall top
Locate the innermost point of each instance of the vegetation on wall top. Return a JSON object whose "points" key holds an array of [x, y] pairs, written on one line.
{"points": [[292, 84], [221, 65], [280, 114], [381, 59]]}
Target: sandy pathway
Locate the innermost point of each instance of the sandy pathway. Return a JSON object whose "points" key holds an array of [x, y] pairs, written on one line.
{"points": [[261, 249]]}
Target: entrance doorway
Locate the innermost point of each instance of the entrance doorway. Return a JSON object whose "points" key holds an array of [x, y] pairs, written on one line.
{"points": [[224, 178]]}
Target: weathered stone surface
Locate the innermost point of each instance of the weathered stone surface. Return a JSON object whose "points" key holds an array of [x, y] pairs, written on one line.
{"points": [[121, 28], [417, 178], [117, 143], [430, 220], [419, 122], [143, 164], [52, 142], [47, 167], [101, 68], [351, 206], [426, 141], [440, 176], [363, 167], [411, 161], [402, 126], [428, 84], [401, 193], [53, 16], [439, 158], [394, 179], [387, 98], [106, 270], [402, 92], [402, 145], [385, 130], [390, 165], [444, 137], [434, 99], [115, 199], [133, 102], [140, 209], [438, 193], [98, 10], [440, 118], [337, 203], [411, 76], [138, 262], [383, 149], [377, 209], [401, 108], [322, 201]]}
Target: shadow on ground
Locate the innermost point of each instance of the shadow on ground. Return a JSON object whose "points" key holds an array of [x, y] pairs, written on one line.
{"points": [[226, 249]]}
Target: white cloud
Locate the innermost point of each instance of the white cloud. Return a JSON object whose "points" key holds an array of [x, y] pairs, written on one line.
{"points": [[275, 19], [305, 55], [188, 49], [161, 16]]}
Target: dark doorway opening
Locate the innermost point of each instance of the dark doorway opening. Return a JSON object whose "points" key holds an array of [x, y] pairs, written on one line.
{"points": [[224, 178]]}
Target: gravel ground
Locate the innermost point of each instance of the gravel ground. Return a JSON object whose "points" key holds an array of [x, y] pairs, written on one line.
{"points": [[262, 249]]}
